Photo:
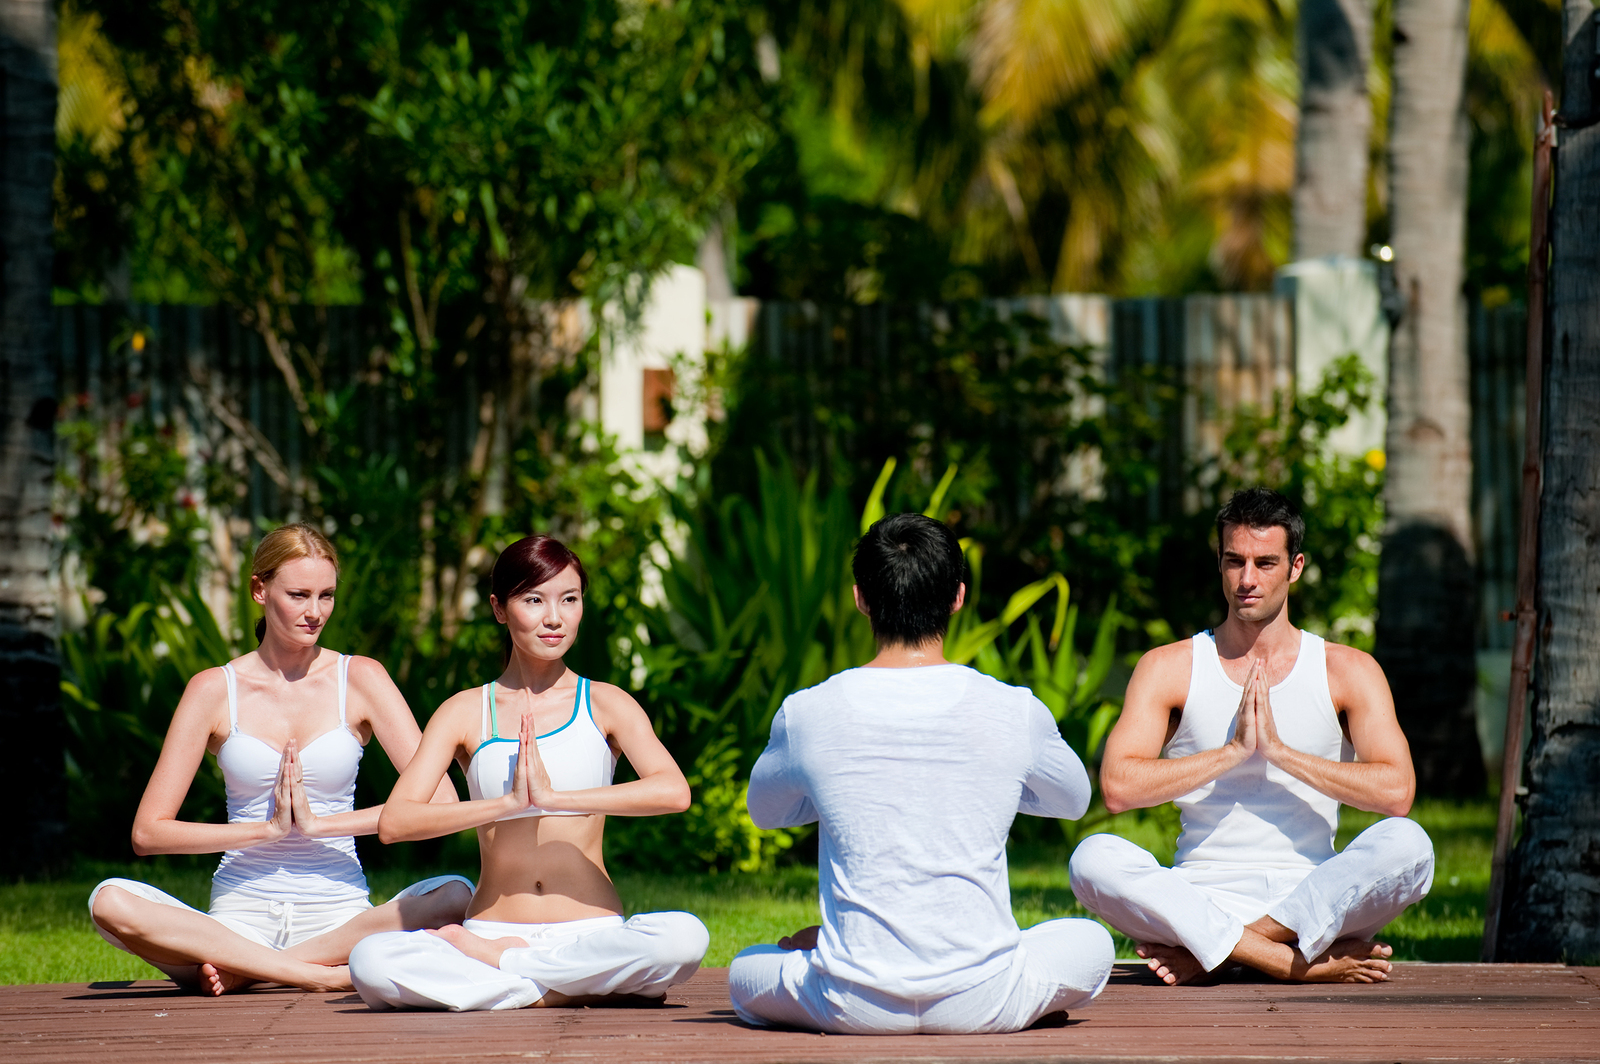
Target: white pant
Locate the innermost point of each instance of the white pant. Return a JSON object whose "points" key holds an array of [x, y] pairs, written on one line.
{"points": [[604, 955], [275, 922], [1351, 895], [1059, 964]]}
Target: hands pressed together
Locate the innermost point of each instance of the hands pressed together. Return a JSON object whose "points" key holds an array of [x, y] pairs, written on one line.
{"points": [[530, 781], [1257, 729], [291, 807]]}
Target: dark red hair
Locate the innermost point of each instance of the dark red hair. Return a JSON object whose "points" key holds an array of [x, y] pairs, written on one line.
{"points": [[529, 562]]}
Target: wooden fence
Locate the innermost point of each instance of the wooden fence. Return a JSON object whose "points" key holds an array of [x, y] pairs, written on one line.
{"points": [[200, 365]]}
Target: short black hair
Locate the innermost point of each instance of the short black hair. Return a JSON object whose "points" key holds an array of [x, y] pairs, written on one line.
{"points": [[909, 569], [1262, 508]]}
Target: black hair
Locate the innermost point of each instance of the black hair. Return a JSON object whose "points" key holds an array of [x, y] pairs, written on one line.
{"points": [[1262, 508], [909, 569], [529, 562]]}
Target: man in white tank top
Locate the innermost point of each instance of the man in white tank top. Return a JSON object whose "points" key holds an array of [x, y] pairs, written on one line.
{"points": [[1258, 732]]}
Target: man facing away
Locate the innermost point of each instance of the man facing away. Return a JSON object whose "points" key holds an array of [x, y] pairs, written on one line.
{"points": [[1257, 721], [913, 769]]}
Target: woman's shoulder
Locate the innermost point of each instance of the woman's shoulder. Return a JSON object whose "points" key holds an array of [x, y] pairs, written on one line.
{"points": [[208, 683], [367, 674], [468, 701], [612, 696], [204, 701]]}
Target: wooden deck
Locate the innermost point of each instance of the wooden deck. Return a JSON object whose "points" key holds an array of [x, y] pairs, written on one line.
{"points": [[1428, 1012]]}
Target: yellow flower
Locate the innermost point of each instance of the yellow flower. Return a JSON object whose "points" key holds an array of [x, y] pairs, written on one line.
{"points": [[1377, 459]]}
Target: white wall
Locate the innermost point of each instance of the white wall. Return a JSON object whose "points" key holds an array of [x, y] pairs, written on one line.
{"points": [[1338, 309]]}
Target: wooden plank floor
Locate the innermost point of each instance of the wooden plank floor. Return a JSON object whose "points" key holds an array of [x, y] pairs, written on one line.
{"points": [[1427, 1012]]}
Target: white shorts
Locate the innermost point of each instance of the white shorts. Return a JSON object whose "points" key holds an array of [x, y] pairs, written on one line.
{"points": [[277, 923]]}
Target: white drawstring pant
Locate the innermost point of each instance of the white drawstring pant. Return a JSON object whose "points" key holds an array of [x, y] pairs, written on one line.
{"points": [[1351, 895], [605, 955], [1059, 964]]}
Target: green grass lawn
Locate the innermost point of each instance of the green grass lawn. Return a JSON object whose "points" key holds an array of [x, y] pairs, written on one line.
{"points": [[46, 937]]}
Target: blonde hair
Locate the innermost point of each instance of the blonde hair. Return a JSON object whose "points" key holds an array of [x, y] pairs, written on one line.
{"points": [[283, 545]]}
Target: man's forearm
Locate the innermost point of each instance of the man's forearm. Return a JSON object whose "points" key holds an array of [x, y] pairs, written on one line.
{"points": [[1141, 782], [1376, 787]]}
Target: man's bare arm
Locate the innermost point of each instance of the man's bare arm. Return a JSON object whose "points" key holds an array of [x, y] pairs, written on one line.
{"points": [[1382, 779], [1133, 774]]}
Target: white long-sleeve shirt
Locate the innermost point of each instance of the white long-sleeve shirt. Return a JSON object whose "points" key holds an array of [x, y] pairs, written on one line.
{"points": [[914, 776]]}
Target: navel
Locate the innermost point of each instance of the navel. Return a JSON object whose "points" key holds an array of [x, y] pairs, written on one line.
{"points": [[538, 887]]}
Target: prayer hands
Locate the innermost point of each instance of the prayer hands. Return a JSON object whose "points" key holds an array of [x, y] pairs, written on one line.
{"points": [[282, 819], [1246, 733], [304, 818], [1256, 728], [1266, 724], [530, 783]]}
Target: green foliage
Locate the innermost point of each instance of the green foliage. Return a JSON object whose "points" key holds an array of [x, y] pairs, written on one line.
{"points": [[758, 604], [1339, 495], [409, 153], [969, 384], [122, 677]]}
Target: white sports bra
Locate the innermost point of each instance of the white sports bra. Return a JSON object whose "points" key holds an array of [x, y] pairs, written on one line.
{"points": [[576, 755], [294, 866]]}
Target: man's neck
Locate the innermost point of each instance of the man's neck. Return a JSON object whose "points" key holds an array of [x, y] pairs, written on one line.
{"points": [[1269, 640], [909, 655]]}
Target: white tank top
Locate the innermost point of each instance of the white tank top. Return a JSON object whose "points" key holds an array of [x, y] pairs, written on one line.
{"points": [[1257, 815], [576, 755], [294, 866]]}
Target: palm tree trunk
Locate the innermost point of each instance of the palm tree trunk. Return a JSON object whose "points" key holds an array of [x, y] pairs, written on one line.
{"points": [[1333, 42], [30, 672], [1554, 911], [1426, 587]]}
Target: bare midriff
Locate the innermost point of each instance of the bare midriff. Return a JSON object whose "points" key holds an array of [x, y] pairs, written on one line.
{"points": [[543, 870]]}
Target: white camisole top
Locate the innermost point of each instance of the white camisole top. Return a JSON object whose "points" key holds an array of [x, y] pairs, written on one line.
{"points": [[576, 755], [294, 867], [1257, 815]]}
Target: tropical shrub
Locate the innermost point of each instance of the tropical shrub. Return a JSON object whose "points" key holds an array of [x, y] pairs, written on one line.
{"points": [[758, 604]]}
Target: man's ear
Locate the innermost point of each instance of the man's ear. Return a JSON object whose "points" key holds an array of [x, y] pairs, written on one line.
{"points": [[861, 603], [961, 597], [1297, 567]]}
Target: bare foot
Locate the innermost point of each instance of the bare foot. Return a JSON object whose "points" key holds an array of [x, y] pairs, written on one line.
{"points": [[1350, 960], [478, 948], [216, 981], [1174, 965]]}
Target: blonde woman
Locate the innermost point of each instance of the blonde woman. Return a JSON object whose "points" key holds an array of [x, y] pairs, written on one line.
{"points": [[287, 723]]}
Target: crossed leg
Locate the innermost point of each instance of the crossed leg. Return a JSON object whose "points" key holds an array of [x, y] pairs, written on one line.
{"points": [[1322, 932], [182, 942], [197, 950]]}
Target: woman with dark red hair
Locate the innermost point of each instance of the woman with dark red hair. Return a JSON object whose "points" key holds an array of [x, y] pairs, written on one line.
{"points": [[538, 746]]}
